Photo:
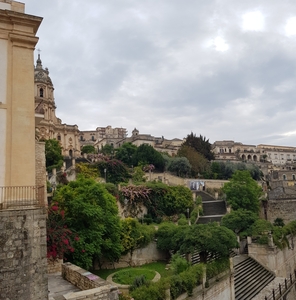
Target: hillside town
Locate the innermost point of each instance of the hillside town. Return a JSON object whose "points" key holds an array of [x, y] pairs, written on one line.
{"points": [[104, 214]]}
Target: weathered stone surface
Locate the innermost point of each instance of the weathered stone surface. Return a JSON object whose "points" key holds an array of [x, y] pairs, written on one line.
{"points": [[23, 264]]}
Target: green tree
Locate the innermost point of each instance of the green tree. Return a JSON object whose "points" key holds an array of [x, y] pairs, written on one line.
{"points": [[126, 153], [138, 175], [114, 170], [200, 144], [146, 155], [180, 166], [167, 236], [239, 221], [88, 149], [53, 154], [91, 211], [208, 239], [176, 200], [107, 150], [243, 192], [135, 235], [199, 164], [87, 170]]}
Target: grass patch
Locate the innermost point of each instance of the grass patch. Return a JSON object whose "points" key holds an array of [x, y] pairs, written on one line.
{"points": [[155, 266], [128, 276]]}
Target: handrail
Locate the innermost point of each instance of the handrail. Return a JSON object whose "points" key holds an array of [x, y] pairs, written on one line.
{"points": [[283, 288], [20, 197]]}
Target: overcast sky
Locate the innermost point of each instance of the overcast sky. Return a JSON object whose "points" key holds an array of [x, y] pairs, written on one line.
{"points": [[223, 69]]}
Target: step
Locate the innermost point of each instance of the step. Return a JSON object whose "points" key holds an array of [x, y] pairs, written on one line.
{"points": [[247, 273], [214, 208]]}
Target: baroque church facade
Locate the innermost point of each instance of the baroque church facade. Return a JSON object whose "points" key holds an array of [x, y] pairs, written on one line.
{"points": [[51, 127]]}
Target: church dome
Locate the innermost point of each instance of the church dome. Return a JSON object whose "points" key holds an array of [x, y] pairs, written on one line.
{"points": [[40, 74]]}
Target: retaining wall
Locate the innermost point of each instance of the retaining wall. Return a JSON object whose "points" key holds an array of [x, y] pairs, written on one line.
{"points": [[92, 286]]}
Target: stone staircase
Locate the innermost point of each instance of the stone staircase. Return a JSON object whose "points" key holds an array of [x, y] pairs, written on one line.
{"points": [[213, 210], [249, 277]]}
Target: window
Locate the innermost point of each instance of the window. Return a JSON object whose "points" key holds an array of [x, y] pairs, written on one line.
{"points": [[92, 138], [284, 177], [41, 92], [293, 176], [59, 137]]}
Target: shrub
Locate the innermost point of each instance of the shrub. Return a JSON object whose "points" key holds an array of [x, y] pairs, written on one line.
{"points": [[179, 264], [216, 267], [138, 281], [154, 290]]}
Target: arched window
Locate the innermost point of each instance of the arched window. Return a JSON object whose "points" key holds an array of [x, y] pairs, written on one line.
{"points": [[59, 137], [293, 177], [41, 92], [284, 177]]}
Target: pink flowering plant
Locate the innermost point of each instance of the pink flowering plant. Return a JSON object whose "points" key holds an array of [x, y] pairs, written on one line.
{"points": [[133, 196], [59, 237], [148, 168]]}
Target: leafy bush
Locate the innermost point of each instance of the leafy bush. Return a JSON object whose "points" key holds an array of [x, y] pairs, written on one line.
{"points": [[176, 286], [216, 267], [182, 222], [179, 264], [138, 281], [153, 290]]}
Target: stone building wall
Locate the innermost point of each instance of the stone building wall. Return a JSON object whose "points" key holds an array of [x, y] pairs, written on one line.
{"points": [[284, 209], [23, 263], [281, 202], [40, 168]]}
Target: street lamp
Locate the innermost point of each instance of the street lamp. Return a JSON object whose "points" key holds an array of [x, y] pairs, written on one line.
{"points": [[105, 171], [187, 209]]}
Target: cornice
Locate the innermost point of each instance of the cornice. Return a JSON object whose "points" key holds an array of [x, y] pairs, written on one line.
{"points": [[19, 22]]}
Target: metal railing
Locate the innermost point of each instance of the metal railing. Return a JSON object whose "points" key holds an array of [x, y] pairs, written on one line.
{"points": [[283, 288], [21, 197]]}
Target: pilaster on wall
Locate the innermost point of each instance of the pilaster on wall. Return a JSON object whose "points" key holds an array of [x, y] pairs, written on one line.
{"points": [[18, 34]]}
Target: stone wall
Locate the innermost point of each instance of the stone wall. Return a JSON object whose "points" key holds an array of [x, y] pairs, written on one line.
{"points": [[281, 262], [284, 209], [142, 256], [175, 180], [54, 265], [221, 287], [40, 167], [92, 286], [23, 262]]}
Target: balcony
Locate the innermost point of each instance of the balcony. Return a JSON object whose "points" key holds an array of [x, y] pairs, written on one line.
{"points": [[21, 197]]}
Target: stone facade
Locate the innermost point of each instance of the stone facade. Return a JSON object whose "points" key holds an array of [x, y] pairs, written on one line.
{"points": [[17, 119], [51, 127], [236, 151], [23, 263]]}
